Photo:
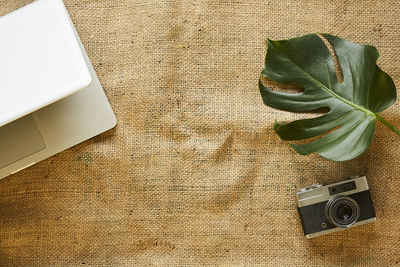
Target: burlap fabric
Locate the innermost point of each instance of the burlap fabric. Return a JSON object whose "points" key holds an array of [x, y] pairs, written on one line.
{"points": [[193, 174]]}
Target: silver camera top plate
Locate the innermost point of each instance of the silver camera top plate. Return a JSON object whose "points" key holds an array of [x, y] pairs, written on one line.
{"points": [[318, 193]]}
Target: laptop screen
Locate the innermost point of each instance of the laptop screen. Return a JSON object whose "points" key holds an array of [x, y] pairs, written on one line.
{"points": [[40, 59]]}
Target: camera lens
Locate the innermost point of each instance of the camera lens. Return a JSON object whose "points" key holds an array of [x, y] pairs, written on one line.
{"points": [[342, 211]]}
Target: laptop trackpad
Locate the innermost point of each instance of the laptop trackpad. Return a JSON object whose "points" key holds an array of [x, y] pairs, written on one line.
{"points": [[19, 139]]}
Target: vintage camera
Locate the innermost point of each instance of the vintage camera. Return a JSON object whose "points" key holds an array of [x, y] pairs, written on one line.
{"points": [[334, 207]]}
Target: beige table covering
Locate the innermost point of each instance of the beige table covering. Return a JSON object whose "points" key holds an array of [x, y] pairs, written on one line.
{"points": [[193, 173]]}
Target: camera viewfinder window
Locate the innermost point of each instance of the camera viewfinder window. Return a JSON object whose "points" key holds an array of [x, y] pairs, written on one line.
{"points": [[333, 190]]}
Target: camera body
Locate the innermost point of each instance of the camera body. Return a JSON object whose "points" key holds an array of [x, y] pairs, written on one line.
{"points": [[334, 207]]}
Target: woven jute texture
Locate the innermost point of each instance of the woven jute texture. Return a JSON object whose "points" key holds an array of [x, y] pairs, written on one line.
{"points": [[194, 174]]}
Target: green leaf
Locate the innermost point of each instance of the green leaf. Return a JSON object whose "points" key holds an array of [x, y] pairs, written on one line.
{"points": [[353, 104]]}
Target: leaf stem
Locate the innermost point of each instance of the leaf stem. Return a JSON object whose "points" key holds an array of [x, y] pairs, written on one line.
{"points": [[388, 124]]}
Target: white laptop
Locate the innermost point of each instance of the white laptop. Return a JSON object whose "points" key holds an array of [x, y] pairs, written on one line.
{"points": [[50, 96]]}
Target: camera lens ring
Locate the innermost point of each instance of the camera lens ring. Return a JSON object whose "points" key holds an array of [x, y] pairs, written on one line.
{"points": [[342, 211]]}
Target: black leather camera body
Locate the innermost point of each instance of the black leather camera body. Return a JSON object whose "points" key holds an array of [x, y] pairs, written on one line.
{"points": [[334, 207]]}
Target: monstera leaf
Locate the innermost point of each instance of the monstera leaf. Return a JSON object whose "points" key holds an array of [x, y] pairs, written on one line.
{"points": [[353, 103]]}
